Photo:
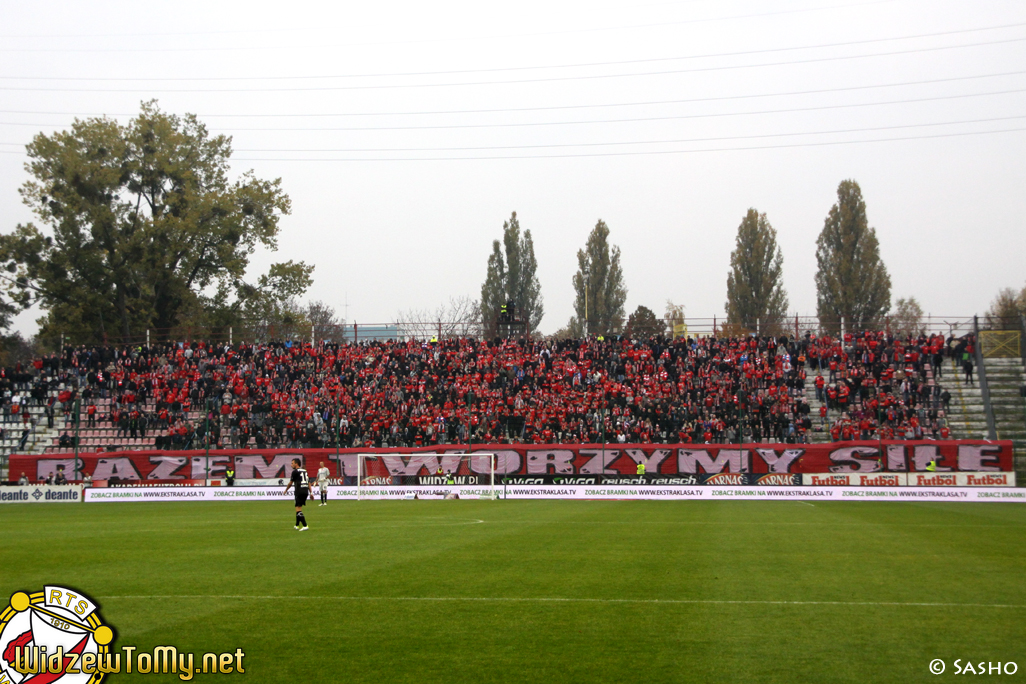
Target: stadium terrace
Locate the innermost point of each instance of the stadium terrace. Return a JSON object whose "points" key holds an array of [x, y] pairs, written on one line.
{"points": [[413, 393]]}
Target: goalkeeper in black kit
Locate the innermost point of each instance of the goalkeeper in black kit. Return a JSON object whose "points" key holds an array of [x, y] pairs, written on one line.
{"points": [[302, 482]]}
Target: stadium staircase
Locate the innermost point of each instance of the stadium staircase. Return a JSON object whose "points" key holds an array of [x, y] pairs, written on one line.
{"points": [[967, 417], [39, 437], [1005, 378], [103, 437], [818, 434]]}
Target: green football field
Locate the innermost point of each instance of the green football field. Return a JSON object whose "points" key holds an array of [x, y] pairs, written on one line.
{"points": [[545, 591]]}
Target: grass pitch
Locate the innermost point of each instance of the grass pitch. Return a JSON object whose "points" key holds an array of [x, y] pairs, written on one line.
{"points": [[545, 591]]}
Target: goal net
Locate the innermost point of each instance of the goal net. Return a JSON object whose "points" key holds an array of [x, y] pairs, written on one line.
{"points": [[464, 474]]}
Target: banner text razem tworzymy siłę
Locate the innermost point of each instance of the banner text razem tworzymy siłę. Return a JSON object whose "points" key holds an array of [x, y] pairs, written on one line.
{"points": [[840, 458]]}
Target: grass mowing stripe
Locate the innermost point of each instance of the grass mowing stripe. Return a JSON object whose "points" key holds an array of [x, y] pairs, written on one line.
{"points": [[732, 523], [510, 599], [545, 591]]}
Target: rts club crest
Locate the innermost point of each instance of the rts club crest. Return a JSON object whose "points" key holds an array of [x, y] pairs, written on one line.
{"points": [[53, 635]]}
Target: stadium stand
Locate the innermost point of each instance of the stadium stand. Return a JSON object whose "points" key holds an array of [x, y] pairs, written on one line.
{"points": [[413, 393]]}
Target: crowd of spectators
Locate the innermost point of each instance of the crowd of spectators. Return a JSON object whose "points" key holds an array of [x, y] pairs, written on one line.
{"points": [[414, 393], [879, 386]]}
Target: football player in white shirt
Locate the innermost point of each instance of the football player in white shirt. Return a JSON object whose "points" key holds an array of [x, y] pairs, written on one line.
{"points": [[322, 484]]}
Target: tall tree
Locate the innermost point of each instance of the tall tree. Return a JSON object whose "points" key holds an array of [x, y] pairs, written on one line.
{"points": [[512, 275], [851, 282], [755, 287], [1006, 310], [460, 317], [141, 220], [270, 310], [324, 322], [16, 349], [643, 323], [907, 318], [599, 285], [675, 317]]}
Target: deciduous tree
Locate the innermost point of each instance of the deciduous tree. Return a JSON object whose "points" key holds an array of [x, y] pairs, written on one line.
{"points": [[599, 285], [141, 220], [460, 317], [907, 318], [512, 275], [756, 300], [1006, 309], [271, 310], [643, 323], [325, 322], [851, 282], [675, 317]]}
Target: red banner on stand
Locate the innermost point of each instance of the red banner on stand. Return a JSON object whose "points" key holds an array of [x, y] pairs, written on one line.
{"points": [[535, 459]]}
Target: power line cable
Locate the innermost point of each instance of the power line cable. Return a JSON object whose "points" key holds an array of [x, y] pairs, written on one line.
{"points": [[649, 142], [741, 53], [579, 77], [506, 110], [790, 110], [635, 153], [459, 38], [536, 124], [674, 141]]}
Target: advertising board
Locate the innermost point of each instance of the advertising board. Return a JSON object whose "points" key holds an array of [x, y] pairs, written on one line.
{"points": [[41, 494], [580, 492]]}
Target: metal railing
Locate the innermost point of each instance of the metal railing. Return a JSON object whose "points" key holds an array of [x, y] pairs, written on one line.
{"points": [[981, 374], [796, 325]]}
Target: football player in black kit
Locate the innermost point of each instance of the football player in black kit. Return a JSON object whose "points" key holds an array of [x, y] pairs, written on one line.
{"points": [[302, 482]]}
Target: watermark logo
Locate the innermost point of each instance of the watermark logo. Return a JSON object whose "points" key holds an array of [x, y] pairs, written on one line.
{"points": [[53, 635], [961, 667], [57, 635]]}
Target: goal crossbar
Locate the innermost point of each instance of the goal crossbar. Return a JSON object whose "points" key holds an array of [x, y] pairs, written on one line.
{"points": [[440, 471]]}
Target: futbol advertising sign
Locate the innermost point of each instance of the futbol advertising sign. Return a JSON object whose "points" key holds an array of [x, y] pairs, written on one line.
{"points": [[544, 461]]}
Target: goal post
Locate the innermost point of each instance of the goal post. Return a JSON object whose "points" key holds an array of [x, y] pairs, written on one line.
{"points": [[459, 472]]}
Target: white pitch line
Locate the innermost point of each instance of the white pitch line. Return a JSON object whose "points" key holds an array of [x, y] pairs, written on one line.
{"points": [[376, 526], [577, 600], [477, 521], [732, 523]]}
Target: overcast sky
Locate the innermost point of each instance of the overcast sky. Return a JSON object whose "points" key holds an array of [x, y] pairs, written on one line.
{"points": [[406, 133]]}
